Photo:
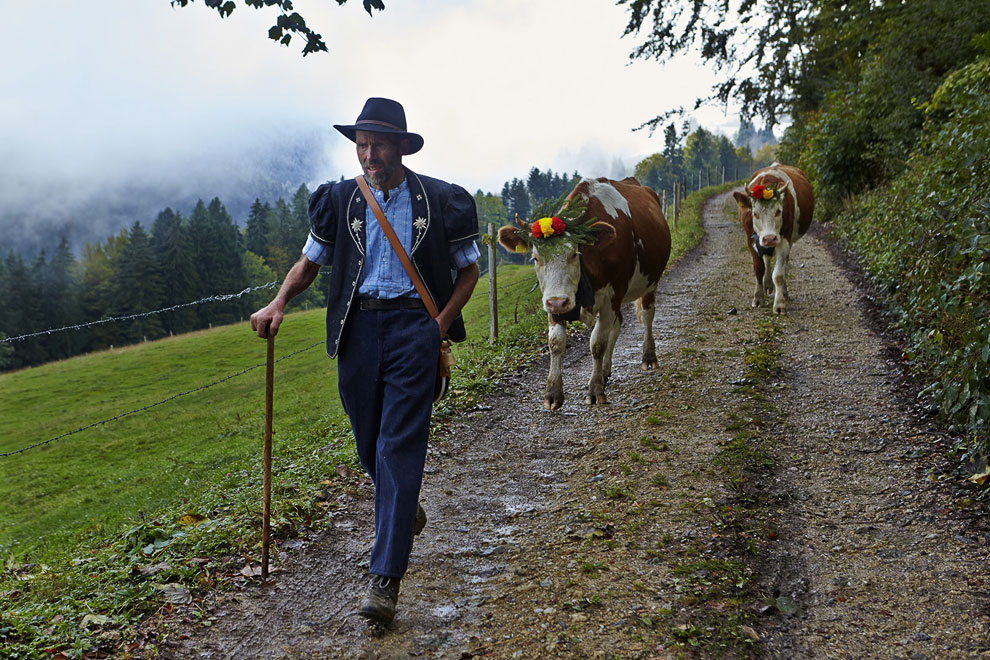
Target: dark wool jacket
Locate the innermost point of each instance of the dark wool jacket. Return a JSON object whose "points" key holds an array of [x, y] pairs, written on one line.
{"points": [[443, 214]]}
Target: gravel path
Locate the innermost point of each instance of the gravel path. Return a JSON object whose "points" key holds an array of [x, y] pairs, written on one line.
{"points": [[617, 531]]}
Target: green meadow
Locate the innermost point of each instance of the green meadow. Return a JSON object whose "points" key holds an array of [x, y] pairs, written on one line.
{"points": [[105, 475]]}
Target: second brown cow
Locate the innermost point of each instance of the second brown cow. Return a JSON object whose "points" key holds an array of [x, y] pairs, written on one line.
{"points": [[775, 211]]}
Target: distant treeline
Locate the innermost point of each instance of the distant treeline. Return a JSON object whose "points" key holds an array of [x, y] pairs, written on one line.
{"points": [[182, 259]]}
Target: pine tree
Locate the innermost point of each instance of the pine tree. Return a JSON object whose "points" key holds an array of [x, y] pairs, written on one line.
{"points": [[137, 286], [60, 302], [228, 267], [257, 229], [24, 315], [173, 250], [97, 274]]}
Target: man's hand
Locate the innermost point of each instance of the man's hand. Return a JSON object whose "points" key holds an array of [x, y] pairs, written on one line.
{"points": [[463, 286], [267, 319]]}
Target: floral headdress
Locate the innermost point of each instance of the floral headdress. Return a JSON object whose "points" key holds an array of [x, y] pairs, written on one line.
{"points": [[762, 193], [557, 218]]}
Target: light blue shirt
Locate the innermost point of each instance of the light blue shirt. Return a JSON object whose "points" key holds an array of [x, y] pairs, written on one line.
{"points": [[382, 275]]}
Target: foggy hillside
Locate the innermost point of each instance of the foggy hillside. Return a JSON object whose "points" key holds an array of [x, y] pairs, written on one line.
{"points": [[35, 215]]}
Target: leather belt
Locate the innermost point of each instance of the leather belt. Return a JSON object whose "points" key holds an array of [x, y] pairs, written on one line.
{"points": [[377, 304]]}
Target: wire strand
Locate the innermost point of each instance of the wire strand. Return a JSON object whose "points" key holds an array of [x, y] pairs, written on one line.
{"points": [[215, 298], [148, 407]]}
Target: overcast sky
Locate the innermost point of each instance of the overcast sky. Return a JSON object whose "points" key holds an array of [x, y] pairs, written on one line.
{"points": [[113, 92]]}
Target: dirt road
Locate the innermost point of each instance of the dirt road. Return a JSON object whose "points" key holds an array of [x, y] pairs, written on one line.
{"points": [[714, 508]]}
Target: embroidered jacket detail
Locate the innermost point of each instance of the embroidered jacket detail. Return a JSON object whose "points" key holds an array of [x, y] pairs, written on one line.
{"points": [[420, 224], [357, 222]]}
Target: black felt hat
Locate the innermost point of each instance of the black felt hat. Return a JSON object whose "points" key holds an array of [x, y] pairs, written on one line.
{"points": [[382, 116]]}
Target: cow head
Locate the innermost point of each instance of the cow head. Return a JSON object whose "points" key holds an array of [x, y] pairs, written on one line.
{"points": [[764, 200], [557, 258]]}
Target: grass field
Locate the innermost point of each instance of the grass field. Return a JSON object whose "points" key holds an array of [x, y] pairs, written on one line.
{"points": [[106, 474]]}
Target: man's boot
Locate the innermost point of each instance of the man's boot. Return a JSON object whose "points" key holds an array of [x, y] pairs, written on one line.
{"points": [[379, 604]]}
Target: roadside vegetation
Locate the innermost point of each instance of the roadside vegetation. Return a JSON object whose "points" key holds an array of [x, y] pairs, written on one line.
{"points": [[886, 109]]}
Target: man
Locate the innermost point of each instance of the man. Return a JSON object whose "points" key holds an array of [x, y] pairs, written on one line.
{"points": [[386, 343]]}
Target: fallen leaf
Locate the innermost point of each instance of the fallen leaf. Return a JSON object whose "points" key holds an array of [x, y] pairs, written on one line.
{"points": [[148, 571], [343, 471], [981, 478], [94, 620], [173, 592], [191, 519], [749, 632], [251, 571]]}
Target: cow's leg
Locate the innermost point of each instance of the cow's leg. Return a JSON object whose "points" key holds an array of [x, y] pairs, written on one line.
{"points": [[766, 284], [760, 270], [613, 336], [601, 341], [646, 310], [553, 397], [779, 275]]}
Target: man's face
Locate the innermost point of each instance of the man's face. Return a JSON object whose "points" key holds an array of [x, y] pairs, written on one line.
{"points": [[381, 158]]}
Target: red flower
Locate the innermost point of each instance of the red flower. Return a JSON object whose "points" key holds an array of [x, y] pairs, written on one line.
{"points": [[537, 232], [558, 225], [757, 191]]}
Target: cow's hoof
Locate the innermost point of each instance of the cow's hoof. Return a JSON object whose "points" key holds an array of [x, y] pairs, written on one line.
{"points": [[552, 404], [596, 399], [756, 303], [779, 309], [650, 365]]}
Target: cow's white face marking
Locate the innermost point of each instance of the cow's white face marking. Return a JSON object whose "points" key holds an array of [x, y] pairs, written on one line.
{"points": [[558, 273], [768, 216]]}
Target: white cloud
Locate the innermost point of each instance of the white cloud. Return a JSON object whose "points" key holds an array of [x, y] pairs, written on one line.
{"points": [[121, 91]]}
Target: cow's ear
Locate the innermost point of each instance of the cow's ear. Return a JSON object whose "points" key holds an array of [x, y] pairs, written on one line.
{"points": [[742, 200], [510, 240], [605, 235]]}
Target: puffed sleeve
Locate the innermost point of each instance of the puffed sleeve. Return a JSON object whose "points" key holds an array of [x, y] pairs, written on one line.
{"points": [[460, 216], [322, 223]]}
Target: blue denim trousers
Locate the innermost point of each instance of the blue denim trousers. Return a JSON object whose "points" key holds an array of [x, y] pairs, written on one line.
{"points": [[385, 373]]}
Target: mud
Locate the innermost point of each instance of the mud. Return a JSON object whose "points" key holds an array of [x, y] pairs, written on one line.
{"points": [[585, 533]]}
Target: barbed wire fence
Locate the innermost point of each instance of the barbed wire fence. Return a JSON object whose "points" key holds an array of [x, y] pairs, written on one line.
{"points": [[113, 319], [208, 299], [157, 403]]}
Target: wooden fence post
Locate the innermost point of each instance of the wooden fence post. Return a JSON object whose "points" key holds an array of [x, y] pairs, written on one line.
{"points": [[492, 289]]}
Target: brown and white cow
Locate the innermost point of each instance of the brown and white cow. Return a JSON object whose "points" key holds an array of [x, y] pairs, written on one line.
{"points": [[624, 264], [773, 223]]}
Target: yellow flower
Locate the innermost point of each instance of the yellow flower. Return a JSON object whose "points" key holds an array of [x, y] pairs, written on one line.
{"points": [[546, 226], [768, 193], [521, 249]]}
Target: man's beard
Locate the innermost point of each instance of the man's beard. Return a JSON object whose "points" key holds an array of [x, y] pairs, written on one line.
{"points": [[386, 171]]}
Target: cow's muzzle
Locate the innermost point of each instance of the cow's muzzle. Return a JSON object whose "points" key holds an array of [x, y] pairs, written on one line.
{"points": [[761, 249], [558, 305]]}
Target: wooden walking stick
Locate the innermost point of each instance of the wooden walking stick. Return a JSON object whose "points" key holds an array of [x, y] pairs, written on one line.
{"points": [[266, 506]]}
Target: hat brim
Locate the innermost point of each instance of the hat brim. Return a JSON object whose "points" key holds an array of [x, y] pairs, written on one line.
{"points": [[350, 132]]}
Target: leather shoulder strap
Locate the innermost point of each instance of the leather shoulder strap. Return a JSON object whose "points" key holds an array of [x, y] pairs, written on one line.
{"points": [[424, 294]]}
